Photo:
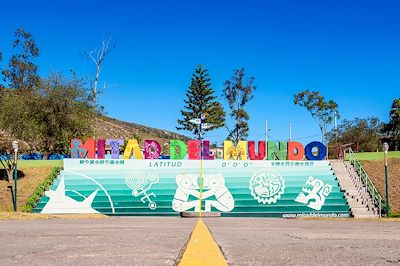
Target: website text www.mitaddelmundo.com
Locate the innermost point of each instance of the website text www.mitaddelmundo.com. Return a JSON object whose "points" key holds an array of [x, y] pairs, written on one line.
{"points": [[324, 215]]}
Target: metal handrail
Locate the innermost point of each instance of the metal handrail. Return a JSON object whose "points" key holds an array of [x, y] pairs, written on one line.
{"points": [[362, 180]]}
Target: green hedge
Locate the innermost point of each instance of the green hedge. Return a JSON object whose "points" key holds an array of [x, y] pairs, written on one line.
{"points": [[40, 189]]}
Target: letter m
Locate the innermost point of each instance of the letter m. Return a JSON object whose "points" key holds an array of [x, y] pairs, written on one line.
{"points": [[238, 152]]}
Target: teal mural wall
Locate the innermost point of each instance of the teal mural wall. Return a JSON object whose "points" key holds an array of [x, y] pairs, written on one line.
{"points": [[167, 187]]}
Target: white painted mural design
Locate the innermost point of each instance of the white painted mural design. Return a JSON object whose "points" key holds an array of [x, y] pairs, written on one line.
{"points": [[314, 193], [213, 186], [140, 184], [267, 186], [60, 203]]}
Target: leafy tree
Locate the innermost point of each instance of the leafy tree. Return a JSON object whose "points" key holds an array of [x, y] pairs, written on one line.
{"points": [[200, 99], [19, 116], [363, 133], [392, 129], [1, 57], [45, 113], [65, 112], [18, 100], [21, 73], [238, 92], [322, 111], [51, 116]]}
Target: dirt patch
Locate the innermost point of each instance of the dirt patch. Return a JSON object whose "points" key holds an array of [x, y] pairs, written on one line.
{"points": [[40, 216], [26, 185], [376, 171]]}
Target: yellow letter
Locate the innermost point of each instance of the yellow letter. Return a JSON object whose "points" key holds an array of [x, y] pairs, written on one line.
{"points": [[238, 152], [132, 146]]}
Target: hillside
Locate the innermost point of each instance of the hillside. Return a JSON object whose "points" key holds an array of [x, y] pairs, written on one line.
{"points": [[107, 127], [376, 171]]}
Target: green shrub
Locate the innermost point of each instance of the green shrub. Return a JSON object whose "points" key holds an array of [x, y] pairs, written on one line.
{"points": [[40, 189]]}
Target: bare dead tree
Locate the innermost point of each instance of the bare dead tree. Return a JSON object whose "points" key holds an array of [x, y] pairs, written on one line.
{"points": [[98, 55]]}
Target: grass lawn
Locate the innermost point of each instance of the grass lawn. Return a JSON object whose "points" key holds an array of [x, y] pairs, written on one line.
{"points": [[27, 183], [33, 172], [39, 163], [374, 156]]}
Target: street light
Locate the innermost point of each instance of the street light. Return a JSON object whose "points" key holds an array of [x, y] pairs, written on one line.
{"points": [[15, 147], [200, 122], [385, 151]]}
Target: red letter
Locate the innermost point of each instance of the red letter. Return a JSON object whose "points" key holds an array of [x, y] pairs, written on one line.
{"points": [[79, 150], [261, 150], [101, 148], [194, 149]]}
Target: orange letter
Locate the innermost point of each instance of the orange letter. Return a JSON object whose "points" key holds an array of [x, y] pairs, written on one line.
{"points": [[295, 151]]}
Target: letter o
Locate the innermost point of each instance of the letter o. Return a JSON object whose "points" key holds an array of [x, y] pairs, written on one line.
{"points": [[321, 151]]}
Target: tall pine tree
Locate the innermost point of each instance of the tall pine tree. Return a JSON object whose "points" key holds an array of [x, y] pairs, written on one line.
{"points": [[200, 100]]}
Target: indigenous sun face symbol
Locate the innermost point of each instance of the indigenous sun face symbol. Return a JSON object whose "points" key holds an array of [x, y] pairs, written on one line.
{"points": [[266, 186]]}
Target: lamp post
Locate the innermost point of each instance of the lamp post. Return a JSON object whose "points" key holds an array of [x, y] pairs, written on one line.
{"points": [[200, 122], [385, 151], [15, 172]]}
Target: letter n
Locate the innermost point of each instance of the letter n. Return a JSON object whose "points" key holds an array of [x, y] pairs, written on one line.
{"points": [[273, 151]]}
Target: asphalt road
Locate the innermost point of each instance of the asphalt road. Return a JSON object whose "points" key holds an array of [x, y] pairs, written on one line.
{"points": [[159, 240], [113, 241], [251, 241]]}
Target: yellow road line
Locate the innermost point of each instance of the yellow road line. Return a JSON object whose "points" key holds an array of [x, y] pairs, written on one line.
{"points": [[202, 249]]}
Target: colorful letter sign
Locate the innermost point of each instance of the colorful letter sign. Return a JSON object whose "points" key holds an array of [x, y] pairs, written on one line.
{"points": [[152, 149], [291, 150], [238, 152], [132, 147]]}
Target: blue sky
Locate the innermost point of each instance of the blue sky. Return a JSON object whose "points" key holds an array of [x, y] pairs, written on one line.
{"points": [[348, 50]]}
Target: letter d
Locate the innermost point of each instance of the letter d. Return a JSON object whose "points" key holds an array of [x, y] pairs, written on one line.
{"points": [[295, 151]]}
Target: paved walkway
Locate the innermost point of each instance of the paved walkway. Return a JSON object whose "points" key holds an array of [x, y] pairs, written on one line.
{"points": [[252, 241], [161, 240], [115, 241]]}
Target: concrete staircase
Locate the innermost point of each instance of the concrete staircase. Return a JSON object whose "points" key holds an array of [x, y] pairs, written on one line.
{"points": [[158, 187], [357, 196]]}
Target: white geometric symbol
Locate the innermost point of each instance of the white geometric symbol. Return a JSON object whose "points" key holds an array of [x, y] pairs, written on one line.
{"points": [[315, 197], [266, 186], [140, 184], [60, 203], [213, 185]]}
